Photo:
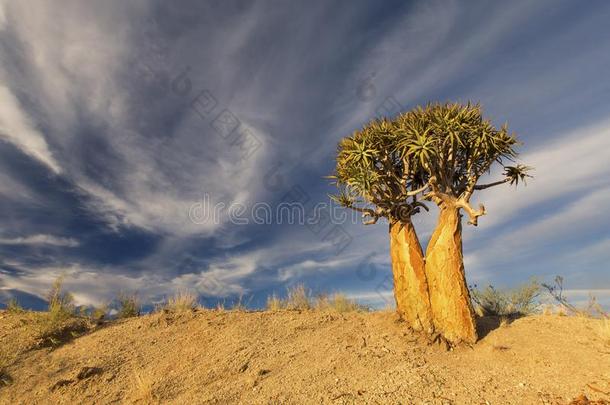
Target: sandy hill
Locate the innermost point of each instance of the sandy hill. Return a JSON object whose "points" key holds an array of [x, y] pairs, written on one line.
{"points": [[285, 357]]}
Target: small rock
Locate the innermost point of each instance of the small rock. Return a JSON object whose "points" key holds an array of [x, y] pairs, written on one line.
{"points": [[244, 367], [61, 383], [87, 372]]}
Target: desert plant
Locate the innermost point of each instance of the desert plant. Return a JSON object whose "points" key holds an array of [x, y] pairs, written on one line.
{"points": [[298, 298], [375, 179], [337, 302], [182, 301], [61, 304], [519, 301], [274, 303], [128, 306], [524, 299], [565, 307], [60, 323], [14, 307], [489, 300], [98, 314], [239, 304], [440, 151]]}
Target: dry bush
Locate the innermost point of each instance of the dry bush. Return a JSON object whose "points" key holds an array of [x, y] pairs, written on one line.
{"points": [[519, 301], [274, 303], [13, 307], [298, 298], [60, 322], [128, 306], [61, 304], [593, 309], [182, 301], [337, 302], [98, 314]]}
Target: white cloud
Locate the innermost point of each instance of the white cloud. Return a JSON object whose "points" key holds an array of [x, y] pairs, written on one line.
{"points": [[575, 164], [17, 128], [2, 15], [570, 173], [40, 240], [310, 266], [78, 58]]}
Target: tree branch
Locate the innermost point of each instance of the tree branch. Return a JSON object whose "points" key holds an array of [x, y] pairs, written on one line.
{"points": [[419, 190], [436, 195], [495, 183], [472, 213]]}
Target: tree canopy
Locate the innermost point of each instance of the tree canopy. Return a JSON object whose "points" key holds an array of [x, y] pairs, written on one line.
{"points": [[437, 152]]}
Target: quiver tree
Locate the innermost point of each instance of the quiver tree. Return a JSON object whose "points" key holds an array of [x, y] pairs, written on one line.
{"points": [[454, 146], [376, 180], [437, 153]]}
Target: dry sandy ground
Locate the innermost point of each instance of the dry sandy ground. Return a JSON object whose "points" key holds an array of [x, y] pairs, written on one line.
{"points": [[289, 357]]}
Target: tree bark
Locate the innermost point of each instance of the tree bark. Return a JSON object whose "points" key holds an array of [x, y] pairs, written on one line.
{"points": [[452, 312], [408, 269]]}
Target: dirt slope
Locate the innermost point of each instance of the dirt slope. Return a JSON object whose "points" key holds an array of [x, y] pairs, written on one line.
{"points": [[305, 357]]}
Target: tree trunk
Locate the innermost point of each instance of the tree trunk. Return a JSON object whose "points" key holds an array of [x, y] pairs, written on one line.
{"points": [[452, 311], [410, 286]]}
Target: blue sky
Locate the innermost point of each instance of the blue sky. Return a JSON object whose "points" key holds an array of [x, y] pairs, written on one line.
{"points": [[118, 118]]}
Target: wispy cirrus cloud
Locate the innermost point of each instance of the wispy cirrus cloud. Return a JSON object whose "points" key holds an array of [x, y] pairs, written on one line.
{"points": [[18, 129], [40, 240], [98, 145]]}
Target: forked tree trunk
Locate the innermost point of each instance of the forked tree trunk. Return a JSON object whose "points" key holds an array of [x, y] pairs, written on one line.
{"points": [[452, 311], [410, 286]]}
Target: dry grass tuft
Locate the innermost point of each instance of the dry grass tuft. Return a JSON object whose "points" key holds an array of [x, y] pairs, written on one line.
{"points": [[274, 303], [183, 301], [60, 323], [128, 306], [239, 305], [13, 307], [144, 388], [337, 302], [298, 298]]}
